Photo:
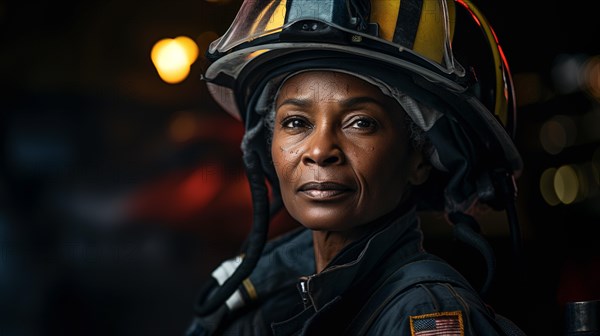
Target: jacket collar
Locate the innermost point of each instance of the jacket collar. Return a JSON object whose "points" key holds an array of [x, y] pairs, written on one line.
{"points": [[401, 236]]}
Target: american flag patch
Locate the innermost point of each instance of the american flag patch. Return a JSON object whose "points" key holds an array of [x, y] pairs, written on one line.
{"points": [[444, 323]]}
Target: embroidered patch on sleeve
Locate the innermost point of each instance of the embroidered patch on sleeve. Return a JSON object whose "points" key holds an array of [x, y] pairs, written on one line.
{"points": [[443, 323]]}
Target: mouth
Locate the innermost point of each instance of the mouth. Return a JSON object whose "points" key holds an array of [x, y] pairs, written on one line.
{"points": [[324, 190]]}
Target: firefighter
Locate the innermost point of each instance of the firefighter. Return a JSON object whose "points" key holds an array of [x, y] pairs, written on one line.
{"points": [[358, 114]]}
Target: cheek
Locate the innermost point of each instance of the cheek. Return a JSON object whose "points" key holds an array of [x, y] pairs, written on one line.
{"points": [[285, 158], [385, 166]]}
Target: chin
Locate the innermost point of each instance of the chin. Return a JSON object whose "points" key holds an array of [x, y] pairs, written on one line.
{"points": [[327, 227], [330, 223]]}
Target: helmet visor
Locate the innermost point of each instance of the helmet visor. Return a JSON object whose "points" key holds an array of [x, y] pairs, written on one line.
{"points": [[422, 27]]}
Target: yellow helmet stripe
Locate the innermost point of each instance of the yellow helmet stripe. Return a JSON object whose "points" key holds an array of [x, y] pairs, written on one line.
{"points": [[431, 38], [385, 14], [415, 24]]}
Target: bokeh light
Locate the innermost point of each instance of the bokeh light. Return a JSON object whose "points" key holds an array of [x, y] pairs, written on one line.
{"points": [[553, 137], [566, 184], [172, 58], [567, 73], [529, 88], [183, 127], [558, 133], [592, 76], [547, 187], [570, 183]]}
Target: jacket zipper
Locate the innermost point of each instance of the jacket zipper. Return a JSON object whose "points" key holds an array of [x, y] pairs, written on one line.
{"points": [[303, 288]]}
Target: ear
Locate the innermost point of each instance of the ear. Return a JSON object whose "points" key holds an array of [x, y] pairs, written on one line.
{"points": [[419, 169]]}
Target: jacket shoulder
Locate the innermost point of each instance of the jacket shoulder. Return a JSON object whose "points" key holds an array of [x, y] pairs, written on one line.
{"points": [[427, 296]]}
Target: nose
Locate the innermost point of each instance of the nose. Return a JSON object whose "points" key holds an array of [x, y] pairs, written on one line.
{"points": [[323, 149]]}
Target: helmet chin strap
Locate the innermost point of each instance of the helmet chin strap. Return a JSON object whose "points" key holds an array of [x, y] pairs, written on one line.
{"points": [[507, 188], [467, 230]]}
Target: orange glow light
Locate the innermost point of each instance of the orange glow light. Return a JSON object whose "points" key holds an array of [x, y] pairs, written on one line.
{"points": [[173, 58]]}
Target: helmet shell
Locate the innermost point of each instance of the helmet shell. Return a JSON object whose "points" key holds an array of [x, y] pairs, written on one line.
{"points": [[406, 44]]}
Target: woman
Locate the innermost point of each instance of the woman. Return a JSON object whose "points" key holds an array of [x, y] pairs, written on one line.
{"points": [[349, 107]]}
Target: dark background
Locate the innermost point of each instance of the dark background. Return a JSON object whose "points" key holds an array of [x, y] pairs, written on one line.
{"points": [[113, 209]]}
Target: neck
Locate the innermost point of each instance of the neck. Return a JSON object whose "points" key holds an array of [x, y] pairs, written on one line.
{"points": [[327, 244]]}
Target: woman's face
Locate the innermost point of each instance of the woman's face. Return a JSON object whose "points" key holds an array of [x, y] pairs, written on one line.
{"points": [[341, 151]]}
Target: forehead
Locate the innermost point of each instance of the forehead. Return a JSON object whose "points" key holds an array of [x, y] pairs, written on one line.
{"points": [[327, 84]]}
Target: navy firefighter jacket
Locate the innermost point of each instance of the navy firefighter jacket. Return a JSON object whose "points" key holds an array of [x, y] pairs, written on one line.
{"points": [[382, 284]]}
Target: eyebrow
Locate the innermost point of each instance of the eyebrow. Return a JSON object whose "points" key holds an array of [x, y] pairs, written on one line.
{"points": [[361, 100], [295, 102], [347, 103]]}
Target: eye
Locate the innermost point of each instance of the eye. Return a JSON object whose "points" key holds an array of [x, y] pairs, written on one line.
{"points": [[295, 123], [363, 123]]}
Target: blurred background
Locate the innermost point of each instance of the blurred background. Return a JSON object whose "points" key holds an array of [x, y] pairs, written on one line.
{"points": [[121, 185]]}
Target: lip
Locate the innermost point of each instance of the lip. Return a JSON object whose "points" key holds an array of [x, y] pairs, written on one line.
{"points": [[323, 191]]}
